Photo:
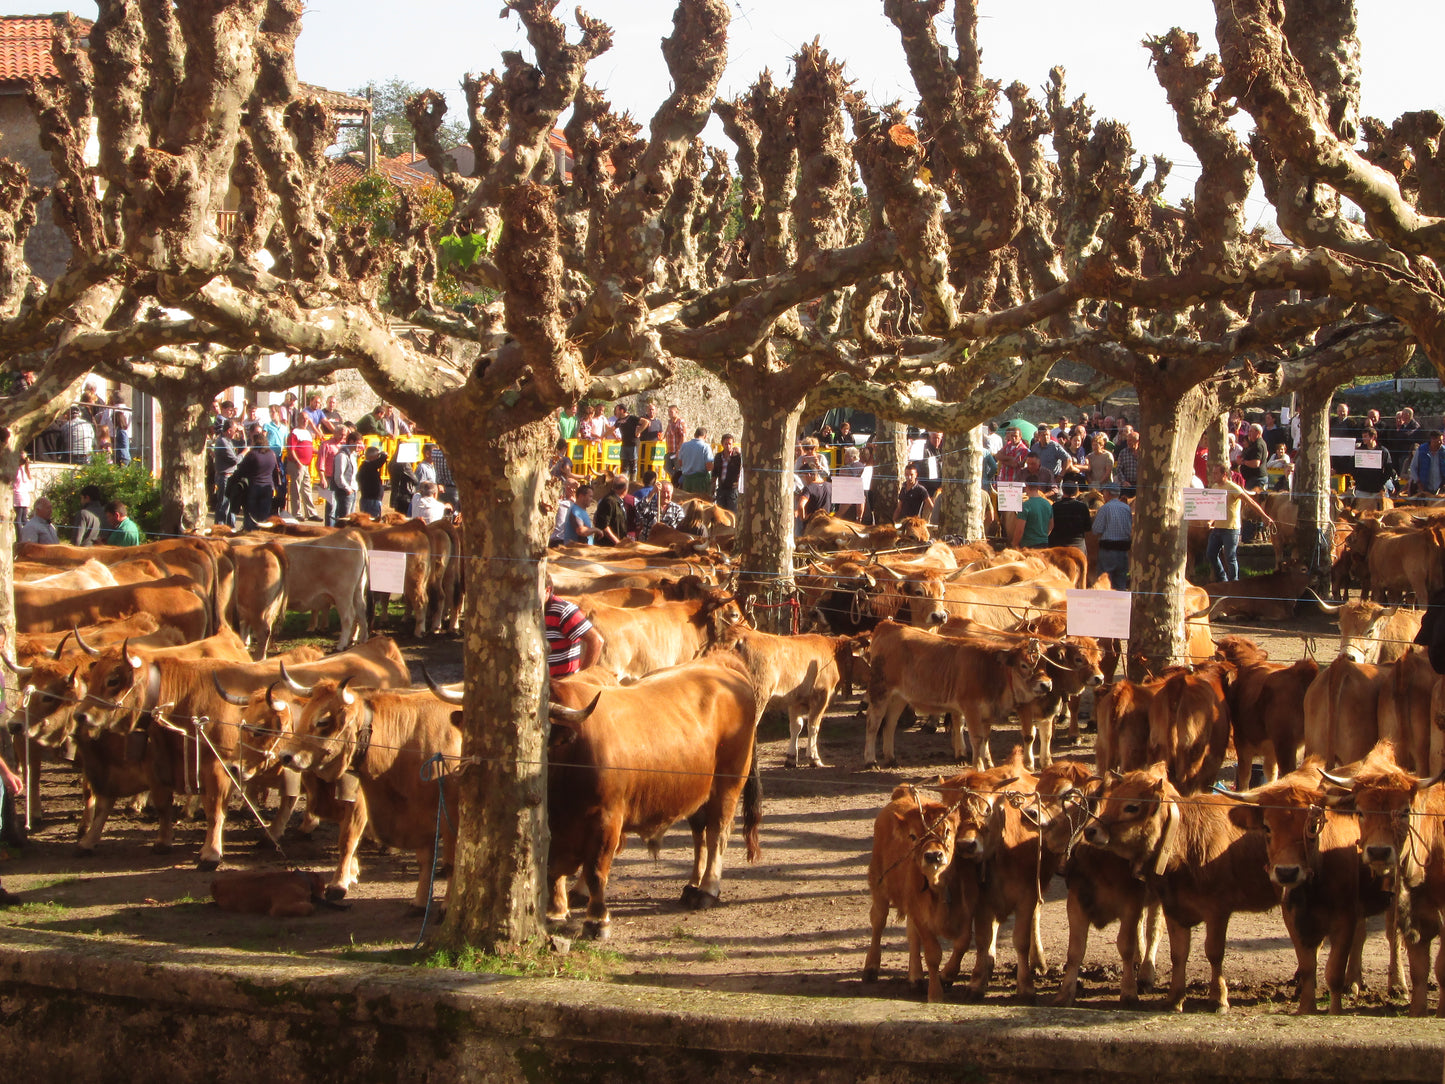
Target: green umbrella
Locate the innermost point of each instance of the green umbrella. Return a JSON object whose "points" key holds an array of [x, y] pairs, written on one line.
{"points": [[1026, 429]]}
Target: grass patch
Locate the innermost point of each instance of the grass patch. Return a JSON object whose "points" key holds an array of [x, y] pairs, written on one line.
{"points": [[535, 960], [711, 953], [51, 882], [39, 908]]}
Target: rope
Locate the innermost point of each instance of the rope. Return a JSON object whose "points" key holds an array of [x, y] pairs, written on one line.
{"points": [[439, 760]]}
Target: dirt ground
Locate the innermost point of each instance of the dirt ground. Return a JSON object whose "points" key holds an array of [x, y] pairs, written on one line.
{"points": [[794, 923]]}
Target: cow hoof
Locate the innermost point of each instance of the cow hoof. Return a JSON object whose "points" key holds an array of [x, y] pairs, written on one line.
{"points": [[689, 896], [972, 993], [208, 865], [592, 930], [705, 901], [1027, 997], [790, 762], [818, 763], [335, 892], [870, 974], [1064, 999], [1219, 1007]]}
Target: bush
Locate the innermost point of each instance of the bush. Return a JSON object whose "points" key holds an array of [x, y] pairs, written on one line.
{"points": [[132, 484]]}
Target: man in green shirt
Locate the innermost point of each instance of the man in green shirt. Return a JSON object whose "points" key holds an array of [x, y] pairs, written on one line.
{"points": [[124, 531], [1031, 528], [567, 422]]}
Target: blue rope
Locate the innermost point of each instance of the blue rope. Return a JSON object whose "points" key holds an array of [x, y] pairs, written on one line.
{"points": [[439, 761]]}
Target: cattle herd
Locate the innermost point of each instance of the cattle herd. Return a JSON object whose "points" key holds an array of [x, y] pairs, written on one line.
{"points": [[147, 669]]}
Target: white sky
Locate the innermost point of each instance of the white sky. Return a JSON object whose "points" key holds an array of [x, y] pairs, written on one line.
{"points": [[346, 43]]}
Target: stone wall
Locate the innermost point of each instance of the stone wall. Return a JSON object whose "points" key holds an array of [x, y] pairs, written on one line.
{"points": [[704, 400], [46, 248]]}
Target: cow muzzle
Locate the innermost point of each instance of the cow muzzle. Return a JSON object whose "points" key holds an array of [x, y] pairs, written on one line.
{"points": [[288, 760], [1287, 876], [937, 617], [1095, 836], [1380, 856], [1354, 654], [1095, 680], [935, 857], [969, 848]]}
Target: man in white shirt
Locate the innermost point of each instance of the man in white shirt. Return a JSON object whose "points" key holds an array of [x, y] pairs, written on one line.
{"points": [[992, 442], [38, 527], [424, 503]]}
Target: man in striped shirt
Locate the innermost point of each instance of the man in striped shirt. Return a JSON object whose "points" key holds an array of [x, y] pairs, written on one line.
{"points": [[572, 643], [1114, 527]]}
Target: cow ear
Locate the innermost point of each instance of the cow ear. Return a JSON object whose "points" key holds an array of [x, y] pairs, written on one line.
{"points": [[1248, 817], [456, 719]]}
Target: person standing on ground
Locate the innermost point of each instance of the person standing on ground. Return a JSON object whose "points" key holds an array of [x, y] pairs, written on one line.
{"points": [[817, 493], [79, 436], [694, 463], [1031, 528], [123, 529], [261, 469], [1114, 527], [913, 498], [39, 528], [226, 455], [578, 527], [567, 421], [627, 427], [1222, 550], [572, 643], [611, 518], [14, 785], [343, 476], [674, 436], [121, 436], [369, 482], [1372, 483], [852, 468], [1071, 520], [90, 521], [1427, 468], [299, 453], [727, 468], [23, 490], [403, 483]]}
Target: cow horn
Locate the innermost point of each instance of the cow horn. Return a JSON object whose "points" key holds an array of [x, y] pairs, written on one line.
{"points": [[1337, 780], [1248, 797], [91, 651], [1423, 782], [1208, 611], [891, 572], [60, 647], [347, 696], [20, 671], [272, 702], [572, 716], [228, 697], [956, 573], [444, 695], [1327, 607], [135, 660], [296, 686]]}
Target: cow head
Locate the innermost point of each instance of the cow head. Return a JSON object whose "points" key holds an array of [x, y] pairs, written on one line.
{"points": [[1292, 816], [719, 613], [1078, 661], [1386, 800], [930, 827], [1137, 819], [1361, 624], [327, 732], [53, 688], [980, 814], [1029, 671], [124, 682], [922, 590], [566, 723], [268, 714]]}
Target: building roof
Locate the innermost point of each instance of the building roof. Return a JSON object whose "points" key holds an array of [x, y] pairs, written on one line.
{"points": [[399, 171], [25, 43], [342, 106]]}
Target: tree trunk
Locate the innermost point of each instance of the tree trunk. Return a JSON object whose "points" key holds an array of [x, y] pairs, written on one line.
{"points": [[1314, 528], [1216, 436], [890, 456], [764, 553], [495, 897], [185, 437], [9, 461], [1170, 426], [962, 493]]}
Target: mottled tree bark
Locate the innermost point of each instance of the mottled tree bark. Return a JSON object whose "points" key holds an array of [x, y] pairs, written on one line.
{"points": [[1170, 425], [890, 456], [1314, 529], [183, 444], [764, 553], [9, 461], [501, 855], [962, 493]]}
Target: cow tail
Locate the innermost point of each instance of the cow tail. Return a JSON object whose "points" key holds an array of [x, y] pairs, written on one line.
{"points": [[282, 597], [753, 807]]}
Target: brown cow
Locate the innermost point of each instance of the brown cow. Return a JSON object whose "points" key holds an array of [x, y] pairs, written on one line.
{"points": [[278, 894], [975, 683], [174, 601], [1121, 717], [409, 537], [1266, 708], [1189, 725], [259, 594], [143, 628], [1402, 832], [693, 760], [912, 858], [639, 641], [1342, 710], [1373, 633], [1271, 597], [1314, 857], [1404, 714], [328, 571], [390, 740], [1201, 863]]}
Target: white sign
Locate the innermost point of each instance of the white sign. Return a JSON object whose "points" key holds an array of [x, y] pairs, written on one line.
{"points": [[1284, 415], [387, 570], [1342, 446], [848, 489], [1010, 496], [860, 439], [1206, 503], [408, 453], [932, 467], [1098, 613], [1370, 458], [915, 450]]}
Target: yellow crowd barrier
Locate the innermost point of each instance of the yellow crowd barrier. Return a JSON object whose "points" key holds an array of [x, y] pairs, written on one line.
{"points": [[388, 446]]}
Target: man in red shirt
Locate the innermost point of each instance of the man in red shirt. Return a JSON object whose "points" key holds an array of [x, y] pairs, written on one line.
{"points": [[299, 453], [572, 643]]}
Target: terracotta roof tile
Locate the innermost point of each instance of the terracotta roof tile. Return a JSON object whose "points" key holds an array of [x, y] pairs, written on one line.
{"points": [[25, 42], [334, 100], [399, 171]]}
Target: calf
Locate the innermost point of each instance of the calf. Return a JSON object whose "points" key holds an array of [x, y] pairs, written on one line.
{"points": [[1201, 863], [1266, 708], [1189, 725], [913, 839], [288, 894], [1121, 719]]}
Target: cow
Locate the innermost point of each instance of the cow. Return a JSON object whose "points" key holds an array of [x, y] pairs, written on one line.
{"points": [[1201, 863], [976, 683], [259, 594], [1101, 886], [913, 838], [174, 601], [191, 557], [1121, 719], [1266, 707], [931, 596], [86, 577], [444, 587], [278, 894], [1404, 712], [1370, 632], [1314, 858], [391, 740], [639, 641], [615, 765], [143, 628], [1189, 725], [798, 674], [827, 532], [684, 589], [1398, 561], [1342, 710], [411, 538], [326, 571], [1271, 597], [1402, 835]]}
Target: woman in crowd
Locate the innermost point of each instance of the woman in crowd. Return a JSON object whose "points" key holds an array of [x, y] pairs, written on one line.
{"points": [[260, 469], [660, 508], [1101, 462]]}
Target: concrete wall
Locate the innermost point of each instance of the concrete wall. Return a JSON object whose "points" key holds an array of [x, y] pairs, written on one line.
{"points": [[87, 1009]]}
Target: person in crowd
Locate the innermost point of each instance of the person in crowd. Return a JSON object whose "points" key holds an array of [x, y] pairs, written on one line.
{"points": [[331, 420], [104, 448], [1052, 455], [1427, 469], [291, 410], [123, 530], [90, 521], [1126, 460], [992, 442], [225, 415], [1071, 520], [403, 483], [1012, 456], [39, 527], [343, 476], [121, 434], [1280, 468], [300, 451], [1254, 460], [628, 428], [425, 467], [1031, 527], [23, 490], [1275, 433], [564, 507], [825, 435], [727, 468], [592, 426], [913, 497], [810, 457], [369, 483], [561, 465], [313, 415], [79, 436], [397, 424], [844, 440], [578, 527], [227, 451], [694, 463], [660, 508], [930, 464], [1222, 550], [1238, 427], [324, 462], [817, 492], [567, 421], [852, 468], [647, 488], [1114, 527], [1099, 463], [651, 430], [277, 431], [1342, 426], [260, 468], [12, 783], [91, 403], [674, 436], [1045, 481], [425, 506], [572, 643], [371, 424], [611, 517], [1372, 484], [446, 484]]}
